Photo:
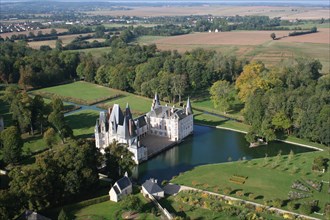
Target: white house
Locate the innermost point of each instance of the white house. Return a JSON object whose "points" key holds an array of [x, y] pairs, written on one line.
{"points": [[150, 187], [121, 188]]}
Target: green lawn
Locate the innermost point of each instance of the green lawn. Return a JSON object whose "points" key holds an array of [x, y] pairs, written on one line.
{"points": [[265, 182], [208, 119], [108, 210], [82, 123], [147, 39], [138, 104], [80, 90]]}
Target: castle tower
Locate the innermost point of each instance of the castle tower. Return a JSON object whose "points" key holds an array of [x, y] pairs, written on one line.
{"points": [[189, 110], [128, 112], [155, 102]]}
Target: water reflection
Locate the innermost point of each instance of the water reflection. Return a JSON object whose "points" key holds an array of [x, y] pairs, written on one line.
{"points": [[207, 145]]}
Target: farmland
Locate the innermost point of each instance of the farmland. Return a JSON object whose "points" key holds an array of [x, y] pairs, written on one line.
{"points": [[287, 13], [66, 39], [253, 45]]}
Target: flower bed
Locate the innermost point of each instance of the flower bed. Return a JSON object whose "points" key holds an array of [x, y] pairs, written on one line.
{"points": [[238, 179], [314, 184], [299, 186], [298, 195]]}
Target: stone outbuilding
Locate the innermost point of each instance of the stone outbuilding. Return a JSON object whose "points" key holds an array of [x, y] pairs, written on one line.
{"points": [[150, 187], [120, 189]]}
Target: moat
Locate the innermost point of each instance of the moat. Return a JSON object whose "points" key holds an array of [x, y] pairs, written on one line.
{"points": [[208, 145]]}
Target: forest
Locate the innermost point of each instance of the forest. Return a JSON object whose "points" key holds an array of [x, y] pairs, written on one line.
{"points": [[291, 98]]}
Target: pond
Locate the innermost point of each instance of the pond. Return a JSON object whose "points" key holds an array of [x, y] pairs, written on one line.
{"points": [[207, 145]]}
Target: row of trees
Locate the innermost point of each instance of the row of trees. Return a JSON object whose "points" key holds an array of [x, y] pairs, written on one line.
{"points": [[292, 98]]}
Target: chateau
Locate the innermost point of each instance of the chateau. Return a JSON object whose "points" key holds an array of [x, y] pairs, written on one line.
{"points": [[171, 123]]}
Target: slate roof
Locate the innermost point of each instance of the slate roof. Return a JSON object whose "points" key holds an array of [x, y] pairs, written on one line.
{"points": [[141, 121], [30, 215], [124, 182], [116, 190], [151, 186]]}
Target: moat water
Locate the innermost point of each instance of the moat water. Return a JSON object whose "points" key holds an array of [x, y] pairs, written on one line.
{"points": [[207, 145]]}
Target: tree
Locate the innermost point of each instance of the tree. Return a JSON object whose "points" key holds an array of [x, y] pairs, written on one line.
{"points": [[26, 75], [63, 215], [281, 121], [99, 31], [12, 145], [131, 203], [53, 32], [222, 95], [59, 44], [179, 85], [57, 120], [50, 137], [9, 204], [273, 36], [250, 80], [118, 160], [39, 112]]}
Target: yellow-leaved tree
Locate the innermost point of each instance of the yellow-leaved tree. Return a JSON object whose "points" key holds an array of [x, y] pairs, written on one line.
{"points": [[251, 79]]}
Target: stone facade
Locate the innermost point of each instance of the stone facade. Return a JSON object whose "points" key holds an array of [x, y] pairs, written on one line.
{"points": [[173, 123]]}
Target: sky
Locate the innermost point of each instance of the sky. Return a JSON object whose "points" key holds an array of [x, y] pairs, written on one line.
{"points": [[299, 2]]}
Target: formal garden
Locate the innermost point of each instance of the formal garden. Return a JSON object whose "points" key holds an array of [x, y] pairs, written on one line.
{"points": [[288, 182]]}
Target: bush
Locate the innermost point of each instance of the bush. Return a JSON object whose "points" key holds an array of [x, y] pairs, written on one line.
{"points": [[227, 190], [164, 182], [292, 205], [277, 203], [251, 196], [306, 208], [239, 193]]}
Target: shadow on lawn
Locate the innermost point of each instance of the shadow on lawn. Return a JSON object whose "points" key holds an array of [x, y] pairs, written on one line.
{"points": [[218, 122], [83, 120]]}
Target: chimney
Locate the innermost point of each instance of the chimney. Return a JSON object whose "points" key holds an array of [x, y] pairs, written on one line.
{"points": [[130, 127]]}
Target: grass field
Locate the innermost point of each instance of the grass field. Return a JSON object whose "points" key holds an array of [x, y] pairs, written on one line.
{"points": [[81, 90], [139, 105], [265, 181], [82, 123], [108, 210]]}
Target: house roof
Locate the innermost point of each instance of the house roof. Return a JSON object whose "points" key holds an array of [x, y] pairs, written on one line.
{"points": [[151, 186], [30, 215], [116, 189], [141, 121], [124, 182]]}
